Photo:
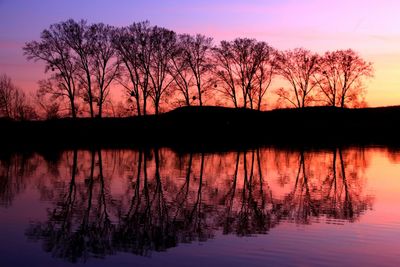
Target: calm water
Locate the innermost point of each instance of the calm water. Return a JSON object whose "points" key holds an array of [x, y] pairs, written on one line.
{"points": [[261, 207]]}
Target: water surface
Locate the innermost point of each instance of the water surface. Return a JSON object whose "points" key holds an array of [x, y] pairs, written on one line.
{"points": [[151, 207]]}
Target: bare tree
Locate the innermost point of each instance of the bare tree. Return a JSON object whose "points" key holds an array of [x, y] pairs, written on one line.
{"points": [[237, 63], [76, 36], [104, 65], [264, 75], [181, 73], [49, 106], [197, 52], [341, 74], [54, 51], [132, 45], [143, 35], [152, 63], [225, 72], [13, 101], [162, 43], [298, 67], [7, 89], [22, 110], [127, 49]]}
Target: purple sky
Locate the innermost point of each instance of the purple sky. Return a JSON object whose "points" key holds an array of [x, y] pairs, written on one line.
{"points": [[370, 27]]}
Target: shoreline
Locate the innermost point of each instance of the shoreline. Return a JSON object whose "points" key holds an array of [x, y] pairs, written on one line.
{"points": [[214, 126]]}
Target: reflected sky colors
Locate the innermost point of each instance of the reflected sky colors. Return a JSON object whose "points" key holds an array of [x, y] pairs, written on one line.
{"points": [[369, 27], [158, 207]]}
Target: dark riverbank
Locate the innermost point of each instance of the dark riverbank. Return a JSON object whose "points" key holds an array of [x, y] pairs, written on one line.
{"points": [[213, 126]]}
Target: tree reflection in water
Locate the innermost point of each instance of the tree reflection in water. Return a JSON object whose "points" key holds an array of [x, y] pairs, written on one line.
{"points": [[151, 200], [14, 169]]}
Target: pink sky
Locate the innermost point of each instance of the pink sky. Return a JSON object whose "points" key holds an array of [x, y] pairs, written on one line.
{"points": [[370, 27]]}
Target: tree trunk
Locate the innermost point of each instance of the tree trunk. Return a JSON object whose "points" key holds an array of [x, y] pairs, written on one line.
{"points": [[259, 103], [73, 110], [156, 106], [138, 105], [144, 105], [235, 102], [244, 100], [90, 97], [342, 102], [100, 103], [199, 91], [91, 108]]}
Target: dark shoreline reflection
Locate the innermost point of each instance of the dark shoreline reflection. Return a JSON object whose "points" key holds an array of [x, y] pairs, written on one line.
{"points": [[109, 201]]}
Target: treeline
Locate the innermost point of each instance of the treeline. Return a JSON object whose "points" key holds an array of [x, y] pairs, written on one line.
{"points": [[159, 69], [13, 101]]}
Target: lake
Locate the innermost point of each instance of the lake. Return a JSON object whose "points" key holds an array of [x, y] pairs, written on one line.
{"points": [[162, 207]]}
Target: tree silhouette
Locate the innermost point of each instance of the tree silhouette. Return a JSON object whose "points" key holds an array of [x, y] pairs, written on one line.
{"points": [[196, 52], [340, 78], [76, 36], [264, 76], [103, 62], [56, 53], [13, 102], [298, 68], [163, 43], [6, 96], [132, 45], [156, 64], [242, 68], [182, 74], [51, 107]]}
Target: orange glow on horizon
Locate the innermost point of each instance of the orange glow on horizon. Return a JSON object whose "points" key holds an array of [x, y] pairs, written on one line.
{"points": [[371, 28]]}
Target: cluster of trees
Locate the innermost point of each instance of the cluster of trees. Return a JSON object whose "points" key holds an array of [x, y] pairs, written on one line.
{"points": [[159, 68], [13, 101]]}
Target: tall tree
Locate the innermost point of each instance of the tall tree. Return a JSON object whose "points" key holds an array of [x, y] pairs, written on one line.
{"points": [[298, 67], [162, 43], [55, 52], [341, 74], [77, 37], [264, 75], [182, 75], [237, 63], [144, 35], [103, 63], [197, 52], [225, 72], [132, 46]]}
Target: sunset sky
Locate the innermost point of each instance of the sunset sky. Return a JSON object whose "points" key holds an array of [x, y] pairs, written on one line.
{"points": [[370, 27]]}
